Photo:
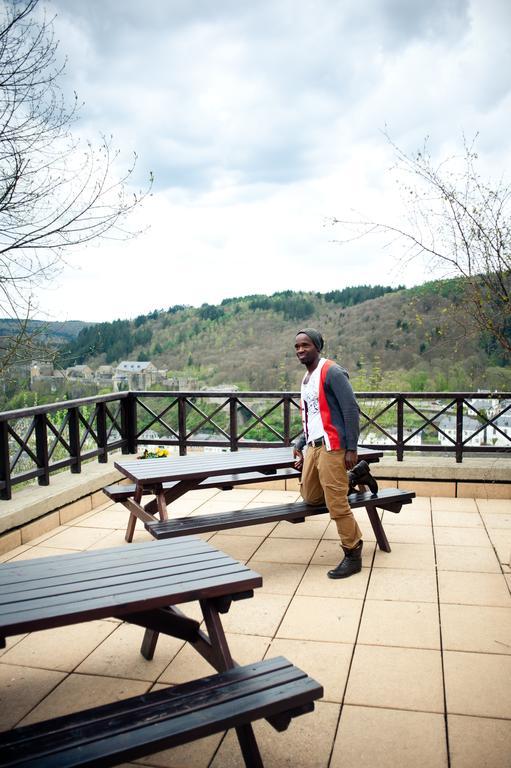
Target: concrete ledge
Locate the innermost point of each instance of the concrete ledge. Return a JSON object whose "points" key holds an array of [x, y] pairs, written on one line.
{"points": [[444, 468], [36, 501]]}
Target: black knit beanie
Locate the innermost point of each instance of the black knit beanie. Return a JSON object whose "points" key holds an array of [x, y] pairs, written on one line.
{"points": [[314, 336]]}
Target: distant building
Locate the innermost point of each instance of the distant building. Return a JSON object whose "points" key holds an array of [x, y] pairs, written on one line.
{"points": [[82, 372], [131, 374], [104, 375]]}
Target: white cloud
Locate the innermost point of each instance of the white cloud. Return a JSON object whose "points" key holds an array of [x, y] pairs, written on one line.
{"points": [[260, 120]]}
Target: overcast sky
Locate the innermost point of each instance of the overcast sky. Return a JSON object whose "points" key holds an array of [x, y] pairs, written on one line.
{"points": [[260, 119]]}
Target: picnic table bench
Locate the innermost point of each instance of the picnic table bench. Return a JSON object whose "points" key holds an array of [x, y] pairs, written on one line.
{"points": [[143, 584]]}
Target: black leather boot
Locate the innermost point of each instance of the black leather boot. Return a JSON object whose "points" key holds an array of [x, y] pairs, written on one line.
{"points": [[352, 563], [360, 475]]}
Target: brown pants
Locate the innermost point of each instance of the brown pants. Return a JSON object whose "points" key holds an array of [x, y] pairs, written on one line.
{"points": [[325, 481]]}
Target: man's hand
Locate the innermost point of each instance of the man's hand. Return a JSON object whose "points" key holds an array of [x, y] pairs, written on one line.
{"points": [[350, 459], [299, 458]]}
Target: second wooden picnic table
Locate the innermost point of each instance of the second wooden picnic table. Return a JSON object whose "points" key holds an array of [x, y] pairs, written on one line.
{"points": [[169, 478]]}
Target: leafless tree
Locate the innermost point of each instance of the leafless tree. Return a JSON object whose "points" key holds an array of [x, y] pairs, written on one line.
{"points": [[460, 222], [55, 191]]}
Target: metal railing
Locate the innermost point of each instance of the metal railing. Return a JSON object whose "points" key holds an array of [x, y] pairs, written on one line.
{"points": [[37, 442]]}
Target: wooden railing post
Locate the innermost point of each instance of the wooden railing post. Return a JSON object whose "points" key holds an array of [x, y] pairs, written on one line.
{"points": [[287, 420], [129, 423], [400, 446], [74, 441], [41, 448], [102, 433], [459, 430], [233, 422], [5, 463], [181, 416]]}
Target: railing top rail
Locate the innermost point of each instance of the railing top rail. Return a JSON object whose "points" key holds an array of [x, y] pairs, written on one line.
{"points": [[211, 393], [64, 404], [291, 393]]}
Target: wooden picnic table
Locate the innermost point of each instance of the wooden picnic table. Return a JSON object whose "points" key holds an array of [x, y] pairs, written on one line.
{"points": [[143, 584], [169, 478]]}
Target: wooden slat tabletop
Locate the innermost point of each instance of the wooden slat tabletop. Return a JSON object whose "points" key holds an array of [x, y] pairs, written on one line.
{"points": [[201, 465], [66, 589]]}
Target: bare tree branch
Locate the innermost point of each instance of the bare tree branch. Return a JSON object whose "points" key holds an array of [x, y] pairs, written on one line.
{"points": [[55, 193], [460, 222]]}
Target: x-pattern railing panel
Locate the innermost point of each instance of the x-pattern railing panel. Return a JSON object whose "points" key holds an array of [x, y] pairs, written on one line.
{"points": [[428, 421], [24, 452], [157, 418], [207, 419], [488, 421], [58, 434], [113, 421], [372, 420], [260, 419]]}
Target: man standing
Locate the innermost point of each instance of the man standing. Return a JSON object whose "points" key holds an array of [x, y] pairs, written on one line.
{"points": [[330, 417]]}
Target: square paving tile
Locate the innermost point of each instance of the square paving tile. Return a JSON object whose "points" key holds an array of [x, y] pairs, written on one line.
{"points": [[321, 618], [41, 551], [476, 628], [475, 559], [278, 578], [461, 537], [328, 663], [403, 584], [115, 516], [473, 588], [411, 534], [77, 538], [397, 678], [371, 737], [239, 547], [497, 519], [78, 692], [477, 742], [404, 555], [409, 515], [452, 505], [61, 649], [317, 584], [261, 615], [305, 744], [188, 664], [494, 505], [286, 550], [478, 684], [196, 754], [119, 655], [456, 519], [412, 625], [21, 689]]}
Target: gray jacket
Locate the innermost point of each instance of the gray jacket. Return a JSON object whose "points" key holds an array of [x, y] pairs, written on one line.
{"points": [[343, 407]]}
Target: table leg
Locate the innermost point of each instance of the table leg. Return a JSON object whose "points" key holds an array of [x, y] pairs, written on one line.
{"points": [[379, 532], [171, 494], [245, 733], [130, 530]]}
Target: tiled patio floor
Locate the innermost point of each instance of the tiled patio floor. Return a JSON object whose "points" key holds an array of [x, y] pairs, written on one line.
{"points": [[414, 653]]}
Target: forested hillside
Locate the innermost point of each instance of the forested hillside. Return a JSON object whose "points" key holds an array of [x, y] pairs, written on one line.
{"points": [[387, 338]]}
